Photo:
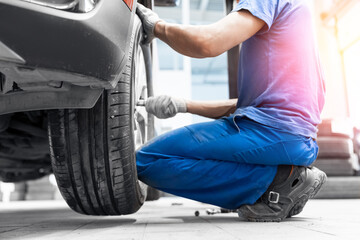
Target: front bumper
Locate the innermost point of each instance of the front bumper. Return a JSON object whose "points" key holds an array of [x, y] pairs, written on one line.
{"points": [[47, 52]]}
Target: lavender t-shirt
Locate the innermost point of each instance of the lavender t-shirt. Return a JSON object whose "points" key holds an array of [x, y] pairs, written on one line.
{"points": [[281, 83]]}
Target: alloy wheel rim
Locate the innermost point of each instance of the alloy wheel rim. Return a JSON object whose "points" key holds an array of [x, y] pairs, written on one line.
{"points": [[140, 87]]}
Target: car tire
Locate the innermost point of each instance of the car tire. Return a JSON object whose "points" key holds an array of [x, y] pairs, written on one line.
{"points": [[93, 150]]}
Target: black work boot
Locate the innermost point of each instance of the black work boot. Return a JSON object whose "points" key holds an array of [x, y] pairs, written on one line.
{"points": [[286, 198]]}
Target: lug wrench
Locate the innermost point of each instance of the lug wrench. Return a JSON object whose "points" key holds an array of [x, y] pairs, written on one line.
{"points": [[213, 211]]}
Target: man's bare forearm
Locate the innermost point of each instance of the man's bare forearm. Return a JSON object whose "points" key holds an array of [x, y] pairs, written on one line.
{"points": [[212, 109], [200, 41], [188, 40]]}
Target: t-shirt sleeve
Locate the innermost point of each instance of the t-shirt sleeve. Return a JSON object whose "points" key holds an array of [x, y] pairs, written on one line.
{"points": [[264, 10]]}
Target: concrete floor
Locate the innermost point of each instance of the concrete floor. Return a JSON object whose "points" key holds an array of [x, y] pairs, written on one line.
{"points": [[173, 218]]}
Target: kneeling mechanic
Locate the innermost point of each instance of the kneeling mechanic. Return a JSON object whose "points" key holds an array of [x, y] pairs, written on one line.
{"points": [[255, 157]]}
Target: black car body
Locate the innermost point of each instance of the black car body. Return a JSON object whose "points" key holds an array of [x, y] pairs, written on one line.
{"points": [[71, 73]]}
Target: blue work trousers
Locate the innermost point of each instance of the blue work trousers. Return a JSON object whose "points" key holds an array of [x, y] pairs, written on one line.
{"points": [[227, 162]]}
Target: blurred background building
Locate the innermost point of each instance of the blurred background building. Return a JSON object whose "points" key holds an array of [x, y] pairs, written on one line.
{"points": [[197, 79]]}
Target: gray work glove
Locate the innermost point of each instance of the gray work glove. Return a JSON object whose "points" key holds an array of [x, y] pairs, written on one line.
{"points": [[149, 20], [165, 106]]}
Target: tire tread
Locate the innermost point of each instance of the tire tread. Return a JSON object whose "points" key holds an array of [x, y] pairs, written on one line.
{"points": [[93, 154]]}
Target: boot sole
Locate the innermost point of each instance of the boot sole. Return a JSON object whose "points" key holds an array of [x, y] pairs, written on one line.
{"points": [[300, 201]]}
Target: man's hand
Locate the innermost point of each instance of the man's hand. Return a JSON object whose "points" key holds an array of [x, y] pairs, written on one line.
{"points": [[149, 20], [165, 106]]}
